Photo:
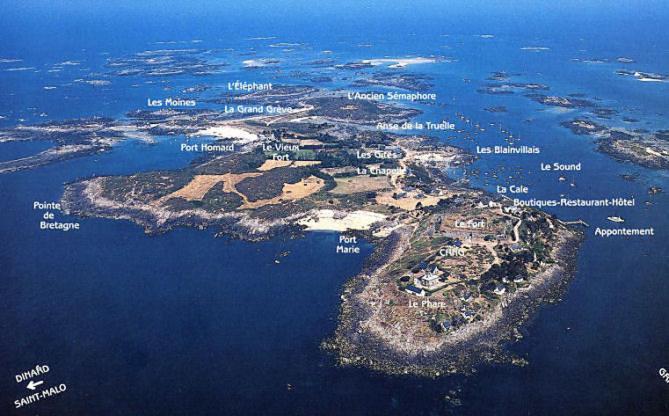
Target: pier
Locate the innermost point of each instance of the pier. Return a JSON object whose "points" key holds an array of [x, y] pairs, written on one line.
{"points": [[575, 222]]}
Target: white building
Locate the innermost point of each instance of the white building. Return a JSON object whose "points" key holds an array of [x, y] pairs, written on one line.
{"points": [[429, 280]]}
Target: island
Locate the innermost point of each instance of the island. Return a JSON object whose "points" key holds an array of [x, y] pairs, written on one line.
{"points": [[647, 149], [455, 271], [69, 139]]}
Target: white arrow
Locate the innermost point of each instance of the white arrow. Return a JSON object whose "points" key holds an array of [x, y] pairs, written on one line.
{"points": [[33, 384]]}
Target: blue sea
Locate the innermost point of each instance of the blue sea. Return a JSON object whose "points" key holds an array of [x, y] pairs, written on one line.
{"points": [[186, 323]]}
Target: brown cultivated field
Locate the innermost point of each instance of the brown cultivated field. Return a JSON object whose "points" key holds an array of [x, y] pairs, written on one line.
{"points": [[360, 183]]}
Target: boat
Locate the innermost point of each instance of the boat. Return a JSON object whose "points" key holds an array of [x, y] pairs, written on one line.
{"points": [[615, 219]]}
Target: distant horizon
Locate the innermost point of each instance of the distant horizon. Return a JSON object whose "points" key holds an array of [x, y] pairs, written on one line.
{"points": [[51, 22]]}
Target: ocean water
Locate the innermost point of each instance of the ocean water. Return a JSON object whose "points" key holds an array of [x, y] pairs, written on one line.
{"points": [[184, 323]]}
